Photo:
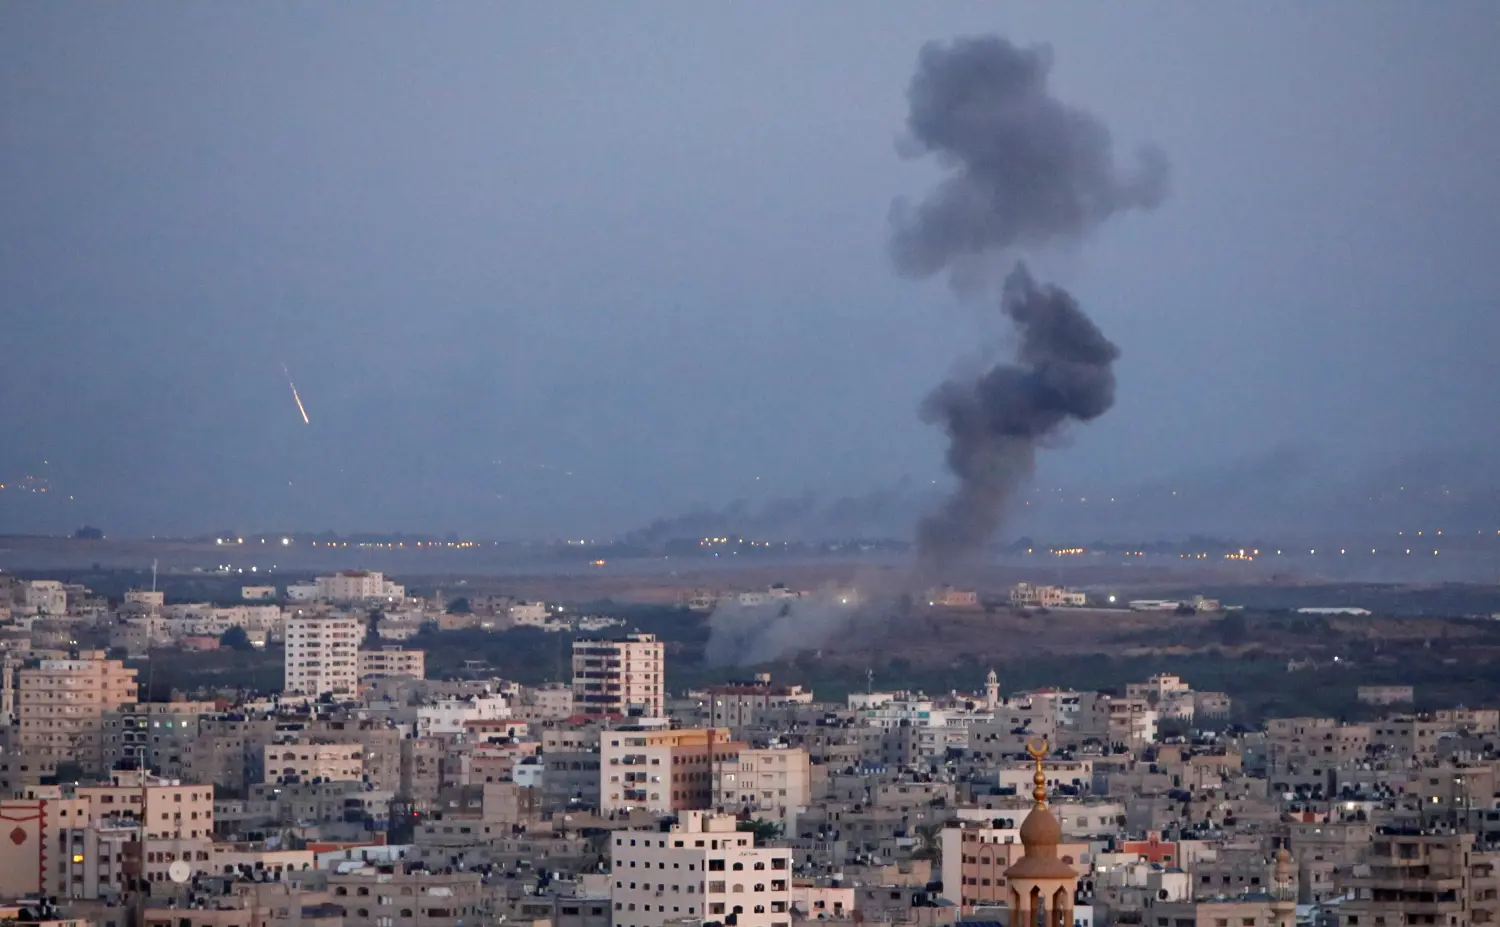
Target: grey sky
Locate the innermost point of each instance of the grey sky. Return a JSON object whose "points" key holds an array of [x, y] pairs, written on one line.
{"points": [[645, 245]]}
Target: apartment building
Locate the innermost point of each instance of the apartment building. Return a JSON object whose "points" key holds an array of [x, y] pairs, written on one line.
{"points": [[310, 761], [358, 586], [976, 855], [624, 678], [390, 896], [1123, 722], [700, 869], [1251, 911], [662, 770], [391, 660], [738, 704], [322, 655], [152, 735], [1415, 877], [61, 704], [772, 782], [90, 841]]}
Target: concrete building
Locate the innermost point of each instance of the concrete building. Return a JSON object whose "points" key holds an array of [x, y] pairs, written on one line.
{"points": [[61, 704], [44, 597], [622, 679], [661, 770], [1026, 595], [145, 600], [391, 660], [89, 841], [388, 895], [152, 736], [771, 782], [451, 716], [322, 655], [258, 593], [309, 761], [1413, 877], [977, 854], [736, 705], [358, 586], [950, 597], [700, 869]]}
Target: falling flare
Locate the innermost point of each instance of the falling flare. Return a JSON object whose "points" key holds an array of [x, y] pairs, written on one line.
{"points": [[300, 407]]}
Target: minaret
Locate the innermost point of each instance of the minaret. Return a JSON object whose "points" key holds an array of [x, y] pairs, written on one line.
{"points": [[992, 691], [1284, 891], [1041, 885]]}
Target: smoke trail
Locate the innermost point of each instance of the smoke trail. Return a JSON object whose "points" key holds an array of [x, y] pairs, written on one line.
{"points": [[1025, 170], [995, 422]]}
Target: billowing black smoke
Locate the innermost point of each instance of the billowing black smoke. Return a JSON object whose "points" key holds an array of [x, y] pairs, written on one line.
{"points": [[995, 422], [1025, 171]]}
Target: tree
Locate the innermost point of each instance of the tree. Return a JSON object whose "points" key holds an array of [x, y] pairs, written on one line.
{"points": [[89, 533], [69, 771], [1234, 629], [460, 606], [763, 830], [235, 638], [929, 842]]}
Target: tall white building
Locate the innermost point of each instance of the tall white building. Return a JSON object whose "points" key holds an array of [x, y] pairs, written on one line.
{"points": [[701, 869], [322, 655], [624, 678]]}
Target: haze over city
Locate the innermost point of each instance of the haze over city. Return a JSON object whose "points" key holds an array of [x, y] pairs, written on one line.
{"points": [[539, 273], [869, 464]]}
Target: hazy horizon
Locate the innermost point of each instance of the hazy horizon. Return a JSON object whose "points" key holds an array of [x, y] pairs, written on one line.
{"points": [[547, 272]]}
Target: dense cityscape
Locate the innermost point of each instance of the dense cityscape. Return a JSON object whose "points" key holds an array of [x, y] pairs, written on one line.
{"points": [[369, 791], [1000, 464]]}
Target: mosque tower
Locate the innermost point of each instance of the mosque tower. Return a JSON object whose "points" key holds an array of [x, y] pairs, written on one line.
{"points": [[992, 691], [1284, 891], [1041, 885]]}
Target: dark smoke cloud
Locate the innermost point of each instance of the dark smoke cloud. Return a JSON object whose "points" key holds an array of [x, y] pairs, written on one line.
{"points": [[1025, 171], [995, 422]]}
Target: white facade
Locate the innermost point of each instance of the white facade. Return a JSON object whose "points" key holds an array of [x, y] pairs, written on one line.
{"points": [[322, 655], [358, 586], [701, 869], [45, 597], [528, 614], [258, 593], [449, 716], [260, 621]]}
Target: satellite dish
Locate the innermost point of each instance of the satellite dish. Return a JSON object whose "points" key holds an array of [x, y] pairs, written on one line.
{"points": [[180, 871]]}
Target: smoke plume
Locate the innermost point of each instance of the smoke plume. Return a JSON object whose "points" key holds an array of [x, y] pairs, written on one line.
{"points": [[995, 422], [1024, 171]]}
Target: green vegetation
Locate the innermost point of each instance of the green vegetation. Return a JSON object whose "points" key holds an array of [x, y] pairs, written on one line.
{"points": [[235, 638]]}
